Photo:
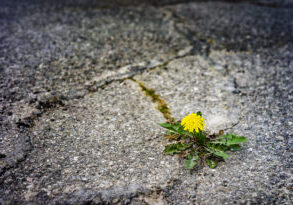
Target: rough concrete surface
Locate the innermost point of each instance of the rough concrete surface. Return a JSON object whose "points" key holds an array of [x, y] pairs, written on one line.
{"points": [[75, 129]]}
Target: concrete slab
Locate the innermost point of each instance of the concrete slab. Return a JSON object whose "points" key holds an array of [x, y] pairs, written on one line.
{"points": [[108, 140], [51, 53], [74, 129]]}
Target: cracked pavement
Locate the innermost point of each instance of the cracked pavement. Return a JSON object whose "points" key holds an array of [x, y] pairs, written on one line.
{"points": [[75, 129]]}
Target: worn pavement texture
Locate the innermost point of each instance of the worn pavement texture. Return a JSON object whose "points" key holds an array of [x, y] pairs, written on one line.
{"points": [[76, 128]]}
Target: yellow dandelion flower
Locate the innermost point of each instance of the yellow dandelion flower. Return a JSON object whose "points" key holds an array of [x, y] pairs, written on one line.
{"points": [[193, 122]]}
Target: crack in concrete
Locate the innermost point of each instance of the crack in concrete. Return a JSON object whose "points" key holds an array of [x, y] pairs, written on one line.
{"points": [[198, 45], [126, 72], [59, 99], [162, 105], [234, 124]]}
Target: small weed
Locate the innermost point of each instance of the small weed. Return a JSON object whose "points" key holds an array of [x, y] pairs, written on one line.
{"points": [[198, 146]]}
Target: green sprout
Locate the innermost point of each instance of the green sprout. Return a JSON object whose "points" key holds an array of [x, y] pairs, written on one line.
{"points": [[198, 146]]}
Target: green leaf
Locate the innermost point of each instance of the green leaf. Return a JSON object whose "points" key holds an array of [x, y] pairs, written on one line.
{"points": [[191, 161], [234, 139], [235, 147], [217, 151], [176, 148], [166, 125], [230, 139], [212, 163], [201, 137], [177, 128], [171, 127]]}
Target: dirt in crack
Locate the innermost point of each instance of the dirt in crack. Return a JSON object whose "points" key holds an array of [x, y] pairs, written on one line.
{"points": [[162, 105]]}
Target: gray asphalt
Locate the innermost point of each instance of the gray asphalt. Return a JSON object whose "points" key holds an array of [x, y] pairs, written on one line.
{"points": [[75, 129]]}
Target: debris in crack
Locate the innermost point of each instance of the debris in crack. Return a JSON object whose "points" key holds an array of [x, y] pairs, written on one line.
{"points": [[162, 105]]}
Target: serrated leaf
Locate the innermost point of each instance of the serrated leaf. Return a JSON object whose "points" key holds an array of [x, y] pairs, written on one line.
{"points": [[191, 161], [176, 148], [234, 139], [171, 127], [177, 128], [217, 151], [166, 125], [182, 146], [212, 163], [230, 139]]}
